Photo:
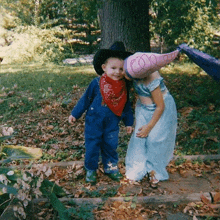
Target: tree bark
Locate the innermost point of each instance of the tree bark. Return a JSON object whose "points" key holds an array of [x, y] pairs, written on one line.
{"points": [[127, 21], [36, 13]]}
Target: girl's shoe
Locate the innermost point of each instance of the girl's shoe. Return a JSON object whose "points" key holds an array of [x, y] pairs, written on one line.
{"points": [[91, 177], [152, 179], [154, 183], [129, 181], [116, 176]]}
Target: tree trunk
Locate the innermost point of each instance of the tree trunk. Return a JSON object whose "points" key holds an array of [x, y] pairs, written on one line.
{"points": [[36, 13], [127, 21]]}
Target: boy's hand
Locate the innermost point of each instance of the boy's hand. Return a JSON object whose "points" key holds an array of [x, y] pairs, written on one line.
{"points": [[71, 119], [129, 129]]}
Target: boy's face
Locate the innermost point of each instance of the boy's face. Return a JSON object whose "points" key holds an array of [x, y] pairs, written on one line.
{"points": [[114, 68]]}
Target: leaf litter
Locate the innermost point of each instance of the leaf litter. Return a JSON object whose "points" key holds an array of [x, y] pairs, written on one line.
{"points": [[49, 130]]}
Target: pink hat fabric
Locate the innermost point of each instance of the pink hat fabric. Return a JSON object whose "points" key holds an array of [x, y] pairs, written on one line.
{"points": [[140, 65]]}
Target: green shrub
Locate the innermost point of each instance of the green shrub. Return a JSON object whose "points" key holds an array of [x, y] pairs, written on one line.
{"points": [[34, 44]]}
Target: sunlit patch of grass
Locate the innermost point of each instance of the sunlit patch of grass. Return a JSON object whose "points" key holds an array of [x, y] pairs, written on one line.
{"points": [[189, 68]]}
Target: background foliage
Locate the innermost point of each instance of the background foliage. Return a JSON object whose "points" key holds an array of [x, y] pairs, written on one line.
{"points": [[195, 24], [69, 27], [30, 43], [64, 27]]}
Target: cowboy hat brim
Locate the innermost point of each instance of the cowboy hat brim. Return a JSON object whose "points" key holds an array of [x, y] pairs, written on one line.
{"points": [[103, 54]]}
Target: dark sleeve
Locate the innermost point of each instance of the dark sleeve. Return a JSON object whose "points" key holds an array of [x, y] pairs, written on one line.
{"points": [[127, 115], [131, 93], [86, 100]]}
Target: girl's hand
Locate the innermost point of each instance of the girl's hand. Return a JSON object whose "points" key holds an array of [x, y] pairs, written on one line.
{"points": [[143, 131], [71, 119], [129, 129]]}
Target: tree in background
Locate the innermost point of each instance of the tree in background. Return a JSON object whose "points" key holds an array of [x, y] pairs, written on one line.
{"points": [[127, 21], [171, 23]]}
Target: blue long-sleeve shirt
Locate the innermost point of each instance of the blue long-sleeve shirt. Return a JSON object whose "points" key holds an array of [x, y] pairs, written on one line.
{"points": [[92, 101]]}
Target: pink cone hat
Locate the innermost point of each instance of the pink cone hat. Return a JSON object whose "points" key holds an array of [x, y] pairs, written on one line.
{"points": [[140, 65]]}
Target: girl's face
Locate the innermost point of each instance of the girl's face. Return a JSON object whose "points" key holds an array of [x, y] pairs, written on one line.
{"points": [[114, 68]]}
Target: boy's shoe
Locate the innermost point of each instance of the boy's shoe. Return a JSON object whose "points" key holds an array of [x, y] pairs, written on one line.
{"points": [[116, 176], [91, 177]]}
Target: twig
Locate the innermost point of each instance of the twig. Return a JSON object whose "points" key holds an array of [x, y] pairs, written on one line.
{"points": [[5, 202], [7, 207]]}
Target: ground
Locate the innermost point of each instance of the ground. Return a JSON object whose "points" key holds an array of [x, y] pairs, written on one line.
{"points": [[192, 192]]}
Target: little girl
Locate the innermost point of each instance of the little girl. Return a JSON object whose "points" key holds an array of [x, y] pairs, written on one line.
{"points": [[152, 142]]}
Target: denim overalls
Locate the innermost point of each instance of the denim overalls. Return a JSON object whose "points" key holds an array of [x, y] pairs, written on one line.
{"points": [[101, 128]]}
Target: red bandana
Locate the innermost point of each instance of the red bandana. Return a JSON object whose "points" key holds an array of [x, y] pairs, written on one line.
{"points": [[114, 93]]}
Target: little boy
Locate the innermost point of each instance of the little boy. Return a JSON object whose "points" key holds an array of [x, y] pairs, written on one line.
{"points": [[106, 103]]}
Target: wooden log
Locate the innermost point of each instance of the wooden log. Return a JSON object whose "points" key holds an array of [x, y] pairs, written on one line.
{"points": [[81, 162], [176, 198], [189, 157]]}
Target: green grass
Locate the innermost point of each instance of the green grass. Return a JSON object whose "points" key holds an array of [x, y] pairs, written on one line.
{"points": [[24, 89], [198, 131]]}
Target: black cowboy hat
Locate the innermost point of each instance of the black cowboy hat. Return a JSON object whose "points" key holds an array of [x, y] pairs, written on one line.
{"points": [[116, 50]]}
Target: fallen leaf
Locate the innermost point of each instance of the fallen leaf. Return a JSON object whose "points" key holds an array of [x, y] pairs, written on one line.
{"points": [[11, 93], [48, 172], [133, 205], [50, 127], [211, 107], [22, 152], [194, 134], [182, 173], [214, 206], [41, 213], [186, 111], [6, 131], [194, 218], [216, 197], [3, 94], [215, 139], [205, 200]]}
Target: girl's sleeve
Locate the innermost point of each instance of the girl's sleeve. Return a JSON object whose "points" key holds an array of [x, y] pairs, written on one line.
{"points": [[85, 101], [154, 84]]}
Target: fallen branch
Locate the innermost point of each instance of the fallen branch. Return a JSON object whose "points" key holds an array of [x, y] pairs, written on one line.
{"points": [[140, 199]]}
